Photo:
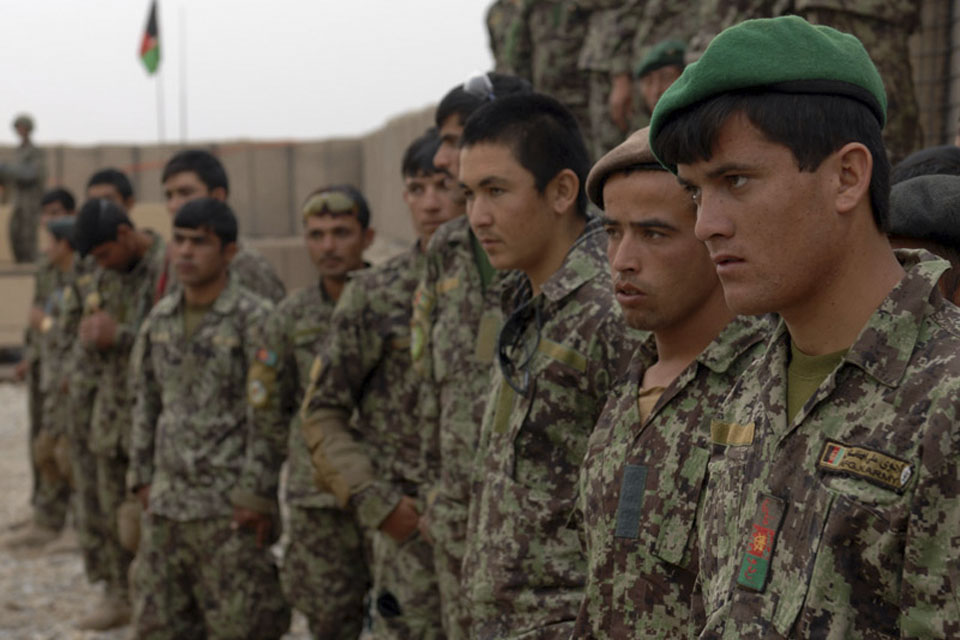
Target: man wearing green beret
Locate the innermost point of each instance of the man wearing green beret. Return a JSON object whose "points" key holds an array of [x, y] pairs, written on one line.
{"points": [[659, 69], [833, 494]]}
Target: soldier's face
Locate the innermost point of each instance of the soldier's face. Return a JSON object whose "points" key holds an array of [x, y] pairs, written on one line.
{"points": [[654, 84], [430, 202], [336, 243], [181, 188], [58, 251], [198, 256], [662, 274], [513, 221], [772, 230], [109, 192], [52, 210], [447, 157]]}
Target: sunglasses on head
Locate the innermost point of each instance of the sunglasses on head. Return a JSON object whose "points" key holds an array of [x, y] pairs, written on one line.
{"points": [[330, 202]]}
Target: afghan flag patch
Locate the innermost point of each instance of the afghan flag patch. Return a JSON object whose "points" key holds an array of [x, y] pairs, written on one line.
{"points": [[760, 540], [879, 468], [267, 357]]}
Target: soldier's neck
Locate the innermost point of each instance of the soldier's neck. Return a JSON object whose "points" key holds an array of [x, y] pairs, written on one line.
{"points": [[202, 295]]}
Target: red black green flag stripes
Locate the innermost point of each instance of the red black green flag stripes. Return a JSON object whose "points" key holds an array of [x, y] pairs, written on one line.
{"points": [[150, 45]]}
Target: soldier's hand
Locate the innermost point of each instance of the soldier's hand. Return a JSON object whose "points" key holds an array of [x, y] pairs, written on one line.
{"points": [[99, 329], [143, 495], [36, 318], [621, 101], [259, 523], [402, 521], [423, 525], [21, 370]]}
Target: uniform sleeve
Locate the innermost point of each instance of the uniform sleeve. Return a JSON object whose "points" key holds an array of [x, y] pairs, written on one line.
{"points": [[342, 461], [930, 592], [257, 274], [516, 56], [609, 42], [271, 388], [146, 411]]}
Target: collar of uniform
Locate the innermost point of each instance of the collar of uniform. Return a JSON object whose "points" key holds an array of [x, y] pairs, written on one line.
{"points": [[224, 304], [740, 334], [584, 261], [453, 232], [154, 255], [884, 347]]}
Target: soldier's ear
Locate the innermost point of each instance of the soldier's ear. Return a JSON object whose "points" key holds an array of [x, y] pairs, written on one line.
{"points": [[229, 251]]}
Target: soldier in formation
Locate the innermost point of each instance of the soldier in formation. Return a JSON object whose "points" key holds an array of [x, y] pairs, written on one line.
{"points": [[25, 177]]}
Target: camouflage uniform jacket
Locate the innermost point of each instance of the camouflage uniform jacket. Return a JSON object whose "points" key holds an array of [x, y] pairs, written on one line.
{"points": [[640, 490], [524, 567], [607, 44], [365, 366], [843, 523], [455, 324], [28, 175], [83, 367], [661, 20], [128, 298], [289, 341], [251, 268], [903, 13], [502, 24], [44, 283], [191, 421]]}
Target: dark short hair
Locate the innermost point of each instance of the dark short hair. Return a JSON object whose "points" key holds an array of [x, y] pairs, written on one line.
{"points": [[115, 178], [935, 161], [61, 195], [97, 224], [812, 126], [363, 208], [542, 134], [462, 103], [418, 158], [203, 163], [208, 213]]}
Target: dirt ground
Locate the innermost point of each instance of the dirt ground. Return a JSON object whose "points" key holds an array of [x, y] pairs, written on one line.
{"points": [[42, 593]]}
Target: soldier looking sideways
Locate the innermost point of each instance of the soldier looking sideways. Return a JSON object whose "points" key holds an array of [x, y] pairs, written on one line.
{"points": [[833, 496]]}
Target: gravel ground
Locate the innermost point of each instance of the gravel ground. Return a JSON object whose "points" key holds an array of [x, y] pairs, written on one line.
{"points": [[42, 593]]}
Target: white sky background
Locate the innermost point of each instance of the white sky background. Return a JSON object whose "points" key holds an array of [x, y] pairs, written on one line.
{"points": [[274, 69]]}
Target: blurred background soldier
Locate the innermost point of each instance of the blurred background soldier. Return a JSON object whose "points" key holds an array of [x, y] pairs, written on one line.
{"points": [[26, 176]]}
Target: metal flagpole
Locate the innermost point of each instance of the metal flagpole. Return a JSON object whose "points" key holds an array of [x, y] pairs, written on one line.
{"points": [[183, 74], [160, 109]]}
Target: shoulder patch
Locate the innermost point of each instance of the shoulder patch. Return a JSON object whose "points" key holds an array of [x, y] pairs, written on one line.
{"points": [[760, 540], [267, 357], [881, 469]]}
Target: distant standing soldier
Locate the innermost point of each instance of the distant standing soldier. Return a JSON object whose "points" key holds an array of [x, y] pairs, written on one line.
{"points": [[324, 572], [502, 25], [198, 574], [26, 175]]}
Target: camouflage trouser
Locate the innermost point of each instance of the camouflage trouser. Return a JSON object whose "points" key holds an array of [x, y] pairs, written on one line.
{"points": [[88, 519], [111, 492], [406, 601], [205, 580], [888, 46], [51, 489], [324, 571], [23, 234], [448, 528]]}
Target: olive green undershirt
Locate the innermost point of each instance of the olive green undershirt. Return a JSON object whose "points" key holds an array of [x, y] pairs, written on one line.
{"points": [[192, 316], [483, 261], [805, 374]]}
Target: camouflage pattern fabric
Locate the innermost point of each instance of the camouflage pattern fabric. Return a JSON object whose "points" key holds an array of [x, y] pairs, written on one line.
{"points": [[502, 22], [640, 490], [249, 266], [884, 29], [369, 463], [455, 325], [324, 572], [524, 568], [204, 580], [839, 524], [27, 177], [716, 15]]}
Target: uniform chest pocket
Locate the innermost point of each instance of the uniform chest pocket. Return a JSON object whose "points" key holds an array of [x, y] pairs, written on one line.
{"points": [[678, 507]]}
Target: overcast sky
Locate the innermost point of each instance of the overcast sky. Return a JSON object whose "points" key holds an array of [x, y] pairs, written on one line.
{"points": [[283, 69]]}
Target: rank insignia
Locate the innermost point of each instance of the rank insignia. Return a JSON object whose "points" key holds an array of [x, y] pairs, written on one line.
{"points": [[760, 540], [267, 357], [879, 468]]}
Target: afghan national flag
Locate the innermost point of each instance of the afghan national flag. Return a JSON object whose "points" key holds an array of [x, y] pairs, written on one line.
{"points": [[150, 46]]}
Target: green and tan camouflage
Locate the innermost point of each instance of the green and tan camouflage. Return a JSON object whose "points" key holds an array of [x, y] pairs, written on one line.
{"points": [[456, 319], [524, 568], [250, 267], [26, 178], [502, 21], [324, 572], [371, 461], [641, 486], [840, 523]]}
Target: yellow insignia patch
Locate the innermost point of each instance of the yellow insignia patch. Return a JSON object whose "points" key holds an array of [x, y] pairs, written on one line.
{"points": [[316, 368], [92, 302], [731, 433], [46, 324], [879, 468], [257, 394], [486, 345], [562, 354], [417, 342], [448, 284]]}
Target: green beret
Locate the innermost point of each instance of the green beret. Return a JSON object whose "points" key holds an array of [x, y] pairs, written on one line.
{"points": [[926, 208], [662, 54], [785, 54]]}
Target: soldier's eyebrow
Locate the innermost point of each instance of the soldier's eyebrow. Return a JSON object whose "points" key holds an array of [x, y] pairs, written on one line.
{"points": [[652, 223], [609, 222], [491, 180], [730, 167]]}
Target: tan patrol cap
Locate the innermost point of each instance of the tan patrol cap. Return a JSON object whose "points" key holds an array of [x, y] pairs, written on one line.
{"points": [[632, 153]]}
